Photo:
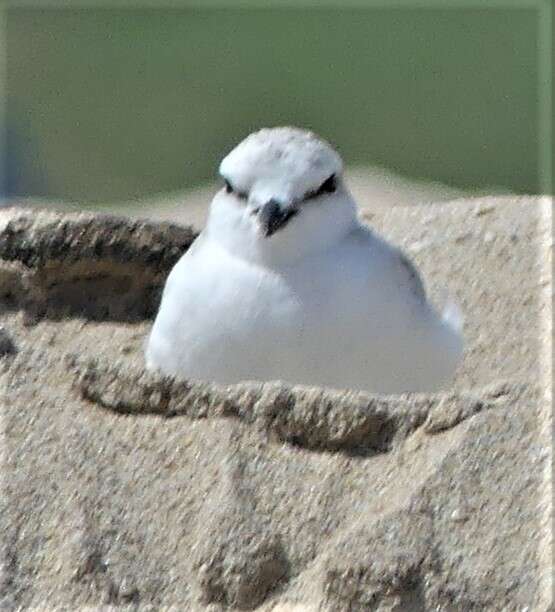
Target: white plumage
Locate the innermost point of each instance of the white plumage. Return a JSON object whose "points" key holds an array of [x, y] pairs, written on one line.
{"points": [[286, 283]]}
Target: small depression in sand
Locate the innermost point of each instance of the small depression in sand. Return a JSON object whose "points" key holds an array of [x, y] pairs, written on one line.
{"points": [[124, 489]]}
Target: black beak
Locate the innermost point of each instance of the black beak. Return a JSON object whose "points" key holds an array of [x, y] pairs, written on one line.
{"points": [[273, 216]]}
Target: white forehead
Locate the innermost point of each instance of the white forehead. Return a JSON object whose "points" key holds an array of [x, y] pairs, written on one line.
{"points": [[291, 156]]}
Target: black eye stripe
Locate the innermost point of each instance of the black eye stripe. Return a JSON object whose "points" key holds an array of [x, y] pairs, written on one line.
{"points": [[328, 186], [230, 189]]}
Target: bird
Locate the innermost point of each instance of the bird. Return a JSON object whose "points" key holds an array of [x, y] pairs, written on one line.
{"points": [[286, 283]]}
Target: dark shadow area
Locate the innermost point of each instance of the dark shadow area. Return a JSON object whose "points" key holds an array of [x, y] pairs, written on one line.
{"points": [[98, 268]]}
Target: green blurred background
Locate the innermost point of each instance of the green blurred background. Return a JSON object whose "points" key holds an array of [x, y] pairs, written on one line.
{"points": [[110, 105]]}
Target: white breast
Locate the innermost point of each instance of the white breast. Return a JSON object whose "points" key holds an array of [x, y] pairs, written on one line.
{"points": [[340, 319]]}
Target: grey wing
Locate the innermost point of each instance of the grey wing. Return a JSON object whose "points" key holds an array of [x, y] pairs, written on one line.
{"points": [[408, 275], [411, 276]]}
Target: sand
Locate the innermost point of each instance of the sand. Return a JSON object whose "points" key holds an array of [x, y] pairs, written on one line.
{"points": [[125, 491]]}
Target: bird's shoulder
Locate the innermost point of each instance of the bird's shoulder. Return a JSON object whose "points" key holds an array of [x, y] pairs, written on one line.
{"points": [[410, 275], [202, 251], [380, 256], [189, 265], [207, 259]]}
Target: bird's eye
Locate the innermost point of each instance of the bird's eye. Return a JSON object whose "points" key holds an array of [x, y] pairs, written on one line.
{"points": [[328, 186], [230, 189]]}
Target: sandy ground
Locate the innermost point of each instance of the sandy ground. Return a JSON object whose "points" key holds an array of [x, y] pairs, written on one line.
{"points": [[129, 492]]}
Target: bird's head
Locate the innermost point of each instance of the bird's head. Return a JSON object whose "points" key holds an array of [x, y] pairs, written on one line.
{"points": [[283, 196]]}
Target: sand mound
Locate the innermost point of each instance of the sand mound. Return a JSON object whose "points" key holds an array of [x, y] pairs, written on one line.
{"points": [[122, 490]]}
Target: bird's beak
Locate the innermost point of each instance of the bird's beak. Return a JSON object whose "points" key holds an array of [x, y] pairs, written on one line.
{"points": [[272, 216]]}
